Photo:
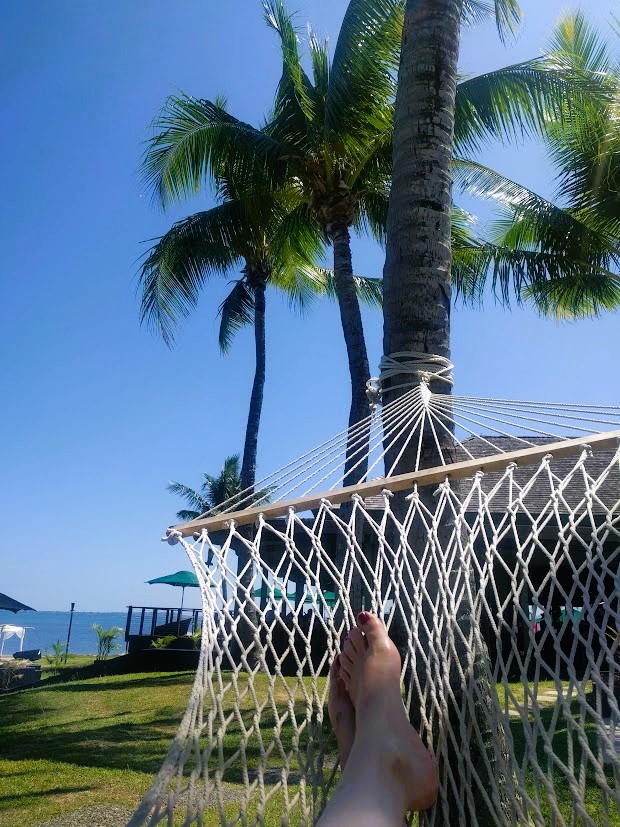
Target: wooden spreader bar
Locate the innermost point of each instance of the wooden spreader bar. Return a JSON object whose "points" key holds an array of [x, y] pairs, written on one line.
{"points": [[401, 482]]}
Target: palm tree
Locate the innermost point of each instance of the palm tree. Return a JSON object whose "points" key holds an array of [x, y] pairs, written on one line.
{"points": [[270, 247], [212, 493], [254, 236], [326, 141]]}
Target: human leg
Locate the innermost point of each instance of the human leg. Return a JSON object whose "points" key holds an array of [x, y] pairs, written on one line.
{"points": [[388, 770]]}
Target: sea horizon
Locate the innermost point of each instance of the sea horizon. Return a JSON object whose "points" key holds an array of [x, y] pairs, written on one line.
{"points": [[46, 626]]}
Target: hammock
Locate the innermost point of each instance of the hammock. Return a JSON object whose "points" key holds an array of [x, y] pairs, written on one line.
{"points": [[496, 573]]}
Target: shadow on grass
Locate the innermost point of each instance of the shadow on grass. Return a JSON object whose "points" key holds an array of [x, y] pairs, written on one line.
{"points": [[131, 683], [105, 743], [563, 748], [9, 800], [131, 746]]}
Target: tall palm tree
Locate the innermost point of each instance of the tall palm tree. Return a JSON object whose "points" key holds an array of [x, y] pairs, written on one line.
{"points": [[417, 296], [255, 237], [261, 238], [329, 140]]}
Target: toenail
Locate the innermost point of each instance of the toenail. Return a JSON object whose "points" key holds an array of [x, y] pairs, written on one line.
{"points": [[363, 617]]}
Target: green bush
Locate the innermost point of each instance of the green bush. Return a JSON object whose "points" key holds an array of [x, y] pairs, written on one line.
{"points": [[163, 642], [8, 674], [55, 655], [106, 640]]}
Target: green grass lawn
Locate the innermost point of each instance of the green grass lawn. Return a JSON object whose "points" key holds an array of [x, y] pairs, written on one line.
{"points": [[71, 745]]}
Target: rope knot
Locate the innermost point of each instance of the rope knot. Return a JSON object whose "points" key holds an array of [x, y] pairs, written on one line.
{"points": [[172, 536], [373, 392], [418, 368]]}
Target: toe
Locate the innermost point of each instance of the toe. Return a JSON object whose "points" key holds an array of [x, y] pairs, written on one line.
{"points": [[334, 669], [373, 628], [349, 650], [345, 675], [358, 641]]}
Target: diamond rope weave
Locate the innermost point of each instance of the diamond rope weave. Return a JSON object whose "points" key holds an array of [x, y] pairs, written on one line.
{"points": [[501, 589]]}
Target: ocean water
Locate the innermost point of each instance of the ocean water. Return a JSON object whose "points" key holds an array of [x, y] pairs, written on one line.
{"points": [[48, 627]]}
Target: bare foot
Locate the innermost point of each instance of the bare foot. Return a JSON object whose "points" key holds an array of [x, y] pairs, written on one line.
{"points": [[341, 712], [370, 668]]}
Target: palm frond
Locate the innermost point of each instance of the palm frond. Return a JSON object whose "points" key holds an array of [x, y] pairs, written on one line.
{"points": [[522, 99], [186, 516], [369, 289], [538, 251], [319, 57], [372, 214], [586, 292], [199, 502], [301, 284], [577, 44], [508, 18], [196, 140], [585, 147], [176, 267], [224, 487], [236, 312], [557, 284], [532, 221], [295, 237], [506, 13], [363, 72], [296, 101]]}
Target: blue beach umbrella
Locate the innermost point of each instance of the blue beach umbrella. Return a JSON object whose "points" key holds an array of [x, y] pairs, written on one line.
{"points": [[8, 604]]}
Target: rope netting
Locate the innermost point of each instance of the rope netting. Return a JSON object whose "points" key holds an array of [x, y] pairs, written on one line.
{"points": [[500, 585]]}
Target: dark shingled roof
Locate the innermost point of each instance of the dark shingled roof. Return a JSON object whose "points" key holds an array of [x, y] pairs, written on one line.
{"points": [[608, 495]]}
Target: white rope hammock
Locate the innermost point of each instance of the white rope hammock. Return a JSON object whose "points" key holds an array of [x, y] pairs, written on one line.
{"points": [[498, 569]]}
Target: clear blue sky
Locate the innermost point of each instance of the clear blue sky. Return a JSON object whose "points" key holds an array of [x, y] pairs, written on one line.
{"points": [[97, 415]]}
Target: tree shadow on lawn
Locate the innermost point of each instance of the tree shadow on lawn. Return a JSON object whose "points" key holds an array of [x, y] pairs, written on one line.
{"points": [[138, 746], [92, 684], [7, 801], [128, 746]]}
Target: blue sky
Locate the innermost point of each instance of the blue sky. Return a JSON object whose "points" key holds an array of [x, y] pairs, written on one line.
{"points": [[97, 414]]}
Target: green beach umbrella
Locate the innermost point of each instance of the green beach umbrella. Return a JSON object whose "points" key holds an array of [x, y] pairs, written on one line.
{"points": [[277, 593], [183, 579], [328, 597]]}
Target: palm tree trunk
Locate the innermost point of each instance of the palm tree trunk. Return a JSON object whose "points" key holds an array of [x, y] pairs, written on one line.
{"points": [[416, 278], [417, 294], [248, 624], [356, 462], [351, 320]]}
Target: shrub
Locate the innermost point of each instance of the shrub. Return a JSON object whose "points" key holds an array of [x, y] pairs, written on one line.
{"points": [[163, 642], [55, 655], [106, 640], [8, 674]]}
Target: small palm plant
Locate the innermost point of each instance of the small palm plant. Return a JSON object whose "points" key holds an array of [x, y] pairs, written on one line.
{"points": [[56, 655], [106, 640]]}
